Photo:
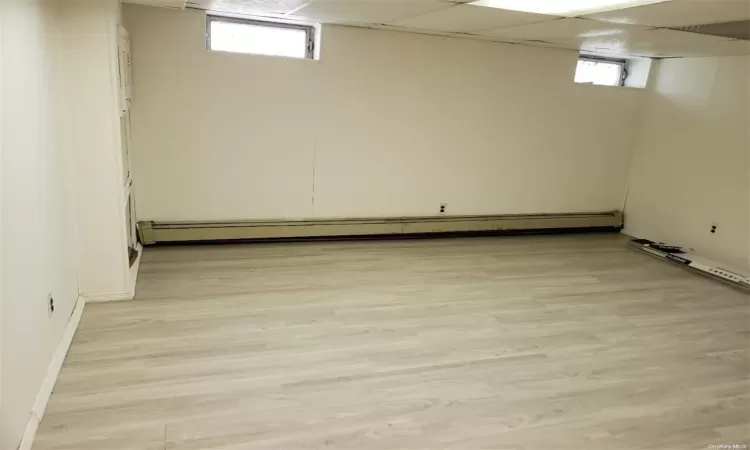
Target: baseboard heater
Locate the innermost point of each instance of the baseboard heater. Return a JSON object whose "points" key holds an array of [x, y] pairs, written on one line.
{"points": [[692, 261], [162, 232]]}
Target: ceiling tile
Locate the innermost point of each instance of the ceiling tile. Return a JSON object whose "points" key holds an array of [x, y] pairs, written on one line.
{"points": [[561, 29], [613, 33], [159, 3], [469, 18], [367, 11], [416, 30], [654, 42], [248, 7], [678, 13], [557, 45]]}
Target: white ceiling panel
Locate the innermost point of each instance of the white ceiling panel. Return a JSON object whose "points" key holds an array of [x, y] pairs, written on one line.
{"points": [[561, 29], [558, 45], [654, 43], [620, 33], [415, 30], [249, 7], [469, 18], [566, 8], [367, 11], [677, 13], [159, 3]]}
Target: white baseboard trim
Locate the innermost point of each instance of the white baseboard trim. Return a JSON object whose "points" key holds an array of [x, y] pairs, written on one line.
{"points": [[628, 233], [120, 296], [110, 297], [53, 370], [28, 436]]}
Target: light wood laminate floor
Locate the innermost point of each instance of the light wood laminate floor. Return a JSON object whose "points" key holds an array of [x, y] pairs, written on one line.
{"points": [[532, 342]]}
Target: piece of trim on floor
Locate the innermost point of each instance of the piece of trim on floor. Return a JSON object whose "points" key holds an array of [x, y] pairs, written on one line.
{"points": [[134, 271], [53, 370], [694, 262]]}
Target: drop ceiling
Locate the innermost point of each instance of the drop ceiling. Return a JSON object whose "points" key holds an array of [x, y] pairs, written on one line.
{"points": [[647, 30]]}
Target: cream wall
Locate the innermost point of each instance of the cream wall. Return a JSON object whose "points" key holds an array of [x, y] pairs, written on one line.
{"points": [[691, 164], [87, 38], [62, 227], [38, 236], [3, 63], [385, 124]]}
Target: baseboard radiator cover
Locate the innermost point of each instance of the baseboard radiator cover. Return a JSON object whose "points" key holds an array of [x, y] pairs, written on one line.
{"points": [[163, 232]]}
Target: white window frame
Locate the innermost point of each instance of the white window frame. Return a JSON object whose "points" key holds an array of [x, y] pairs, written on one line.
{"points": [[623, 63], [308, 29]]}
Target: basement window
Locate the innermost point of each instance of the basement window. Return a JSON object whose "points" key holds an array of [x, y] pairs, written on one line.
{"points": [[226, 34], [601, 71]]}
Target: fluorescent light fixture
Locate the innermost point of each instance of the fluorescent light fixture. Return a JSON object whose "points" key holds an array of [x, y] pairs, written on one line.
{"points": [[564, 7]]}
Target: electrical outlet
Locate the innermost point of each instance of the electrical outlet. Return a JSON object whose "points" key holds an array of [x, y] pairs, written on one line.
{"points": [[443, 207], [714, 227], [50, 305]]}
